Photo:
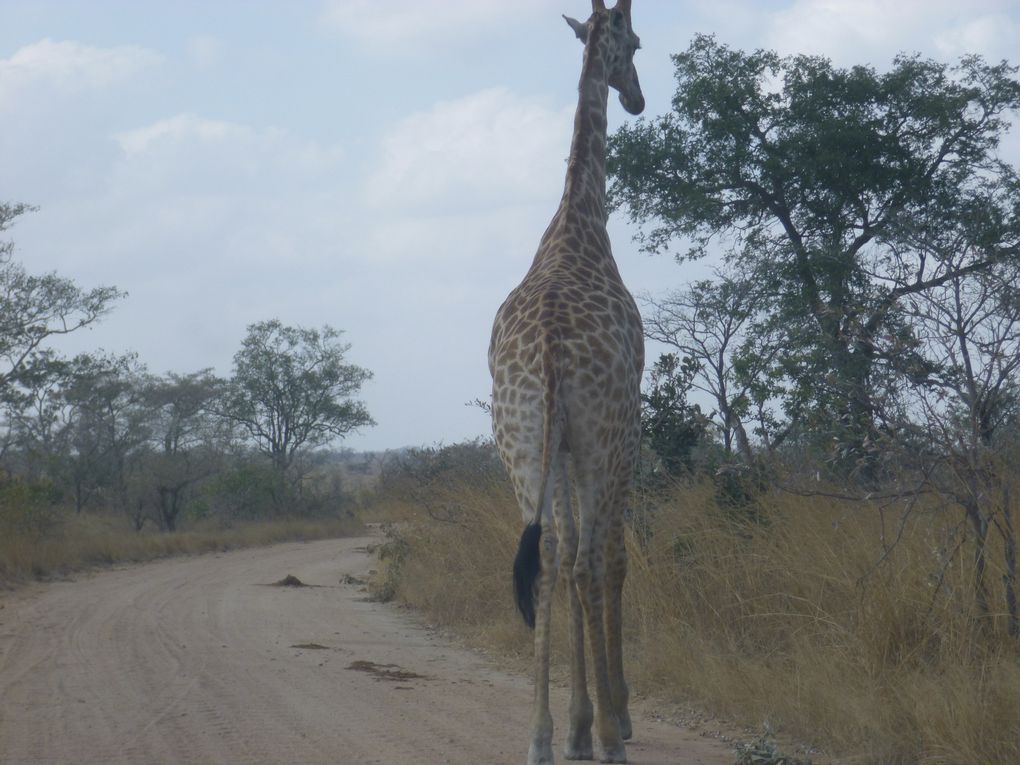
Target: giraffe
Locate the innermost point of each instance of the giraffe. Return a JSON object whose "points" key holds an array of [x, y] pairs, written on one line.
{"points": [[566, 358]]}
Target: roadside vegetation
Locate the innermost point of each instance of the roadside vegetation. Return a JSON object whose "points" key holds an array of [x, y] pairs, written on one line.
{"points": [[847, 624], [103, 461], [82, 543], [822, 540]]}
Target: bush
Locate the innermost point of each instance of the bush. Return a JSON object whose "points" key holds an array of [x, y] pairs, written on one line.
{"points": [[28, 509]]}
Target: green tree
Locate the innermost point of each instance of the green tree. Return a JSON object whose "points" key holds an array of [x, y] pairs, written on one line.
{"points": [[187, 440], [820, 182], [672, 427], [39, 422], [291, 390], [706, 322], [34, 309], [109, 429]]}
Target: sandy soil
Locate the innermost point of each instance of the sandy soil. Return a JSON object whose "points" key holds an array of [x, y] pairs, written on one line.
{"points": [[201, 660]]}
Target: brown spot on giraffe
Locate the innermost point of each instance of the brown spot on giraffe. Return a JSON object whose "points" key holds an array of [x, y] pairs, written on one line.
{"points": [[566, 357]]}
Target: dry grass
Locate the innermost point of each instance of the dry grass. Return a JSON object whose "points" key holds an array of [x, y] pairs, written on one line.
{"points": [[88, 541], [449, 568], [806, 621]]}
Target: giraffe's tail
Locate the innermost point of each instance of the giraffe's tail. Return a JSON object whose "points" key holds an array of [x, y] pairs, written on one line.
{"points": [[528, 563], [527, 566]]}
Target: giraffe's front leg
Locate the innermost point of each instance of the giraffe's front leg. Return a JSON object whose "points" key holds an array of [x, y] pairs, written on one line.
{"points": [[540, 751]]}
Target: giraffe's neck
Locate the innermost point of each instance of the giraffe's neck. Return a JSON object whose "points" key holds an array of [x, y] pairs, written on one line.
{"points": [[584, 192]]}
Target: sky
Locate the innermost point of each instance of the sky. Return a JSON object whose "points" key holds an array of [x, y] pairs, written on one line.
{"points": [[385, 167]]}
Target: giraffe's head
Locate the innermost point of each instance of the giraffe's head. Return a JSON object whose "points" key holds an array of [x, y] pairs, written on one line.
{"points": [[611, 31]]}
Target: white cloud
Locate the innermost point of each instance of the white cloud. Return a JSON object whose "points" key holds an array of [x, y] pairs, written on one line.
{"points": [[209, 225], [993, 35], [68, 66], [873, 31], [486, 148], [180, 129], [841, 29], [407, 23], [205, 154]]}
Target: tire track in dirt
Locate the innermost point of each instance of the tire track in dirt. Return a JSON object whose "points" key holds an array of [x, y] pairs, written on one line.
{"points": [[197, 660]]}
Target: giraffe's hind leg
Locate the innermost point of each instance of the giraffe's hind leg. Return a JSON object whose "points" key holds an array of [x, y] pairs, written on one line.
{"points": [[616, 572], [589, 571], [528, 472], [578, 745], [519, 425], [540, 750]]}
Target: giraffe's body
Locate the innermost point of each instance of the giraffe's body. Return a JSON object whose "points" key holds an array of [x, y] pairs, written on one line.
{"points": [[566, 358]]}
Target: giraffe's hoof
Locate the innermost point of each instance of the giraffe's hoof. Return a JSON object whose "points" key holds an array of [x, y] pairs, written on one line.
{"points": [[540, 754], [579, 747], [578, 754], [615, 754], [626, 731]]}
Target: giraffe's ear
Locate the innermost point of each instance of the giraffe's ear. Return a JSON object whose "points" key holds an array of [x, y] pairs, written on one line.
{"points": [[579, 27]]}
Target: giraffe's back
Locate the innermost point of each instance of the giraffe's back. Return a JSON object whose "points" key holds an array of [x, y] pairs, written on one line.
{"points": [[570, 331]]}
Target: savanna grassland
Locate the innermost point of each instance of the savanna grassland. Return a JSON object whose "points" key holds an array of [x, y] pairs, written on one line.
{"points": [[847, 625], [80, 543]]}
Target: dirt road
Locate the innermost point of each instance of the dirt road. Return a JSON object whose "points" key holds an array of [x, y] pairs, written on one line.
{"points": [[199, 660]]}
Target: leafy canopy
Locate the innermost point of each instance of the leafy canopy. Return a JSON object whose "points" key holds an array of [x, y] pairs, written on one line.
{"points": [[292, 388], [34, 308], [837, 193]]}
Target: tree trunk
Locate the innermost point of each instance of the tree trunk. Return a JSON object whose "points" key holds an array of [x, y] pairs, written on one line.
{"points": [[138, 517], [79, 496], [1009, 578], [169, 506], [743, 445], [980, 525]]}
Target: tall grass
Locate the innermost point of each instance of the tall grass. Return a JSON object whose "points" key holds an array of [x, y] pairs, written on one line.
{"points": [[847, 625], [74, 543]]}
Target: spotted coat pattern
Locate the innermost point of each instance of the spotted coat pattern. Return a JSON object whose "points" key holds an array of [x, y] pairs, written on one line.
{"points": [[566, 358]]}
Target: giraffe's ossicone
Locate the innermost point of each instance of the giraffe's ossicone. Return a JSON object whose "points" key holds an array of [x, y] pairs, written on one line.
{"points": [[566, 357]]}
